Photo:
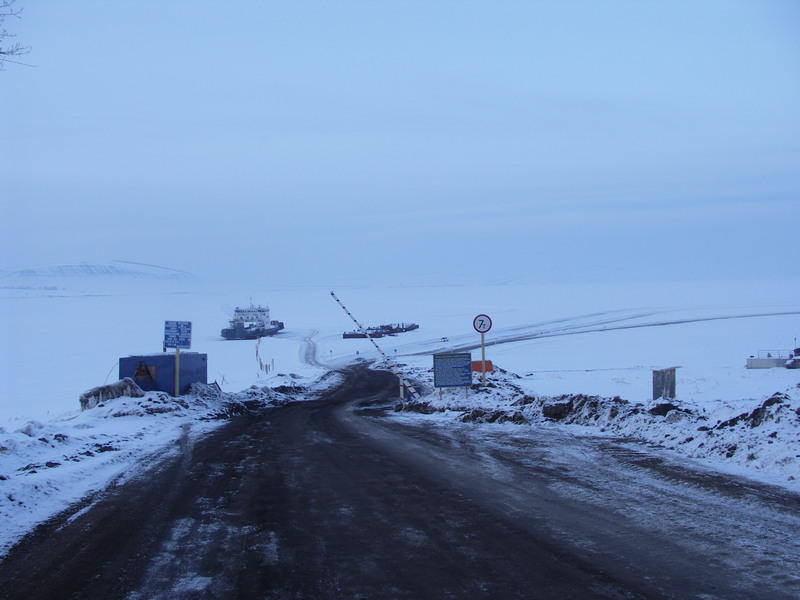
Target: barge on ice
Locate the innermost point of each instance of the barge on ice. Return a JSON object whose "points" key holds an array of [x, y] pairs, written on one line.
{"points": [[381, 330], [251, 323]]}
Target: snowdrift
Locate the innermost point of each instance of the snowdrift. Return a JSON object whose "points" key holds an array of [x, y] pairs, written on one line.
{"points": [[46, 468], [754, 436]]}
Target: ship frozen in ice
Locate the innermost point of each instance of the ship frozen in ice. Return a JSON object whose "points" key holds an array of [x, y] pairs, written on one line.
{"points": [[250, 323]]}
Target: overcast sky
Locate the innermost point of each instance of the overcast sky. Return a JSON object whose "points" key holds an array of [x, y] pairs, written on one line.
{"points": [[467, 138]]}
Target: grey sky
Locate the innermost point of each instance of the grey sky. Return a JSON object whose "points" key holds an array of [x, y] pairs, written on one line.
{"points": [[323, 136]]}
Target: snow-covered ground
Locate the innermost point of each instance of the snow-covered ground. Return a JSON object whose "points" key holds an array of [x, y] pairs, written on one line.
{"points": [[576, 355]]}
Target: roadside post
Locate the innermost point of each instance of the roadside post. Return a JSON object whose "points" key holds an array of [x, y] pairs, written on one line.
{"points": [[482, 324], [177, 334]]}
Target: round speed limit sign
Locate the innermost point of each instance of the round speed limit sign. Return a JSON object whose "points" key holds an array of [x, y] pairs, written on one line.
{"points": [[482, 323]]}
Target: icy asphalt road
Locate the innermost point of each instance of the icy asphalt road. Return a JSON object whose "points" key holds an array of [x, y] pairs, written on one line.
{"points": [[335, 498]]}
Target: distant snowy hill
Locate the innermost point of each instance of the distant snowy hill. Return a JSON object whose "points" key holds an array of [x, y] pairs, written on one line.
{"points": [[117, 269]]}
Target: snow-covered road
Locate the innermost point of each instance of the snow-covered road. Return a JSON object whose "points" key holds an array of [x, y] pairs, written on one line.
{"points": [[343, 497]]}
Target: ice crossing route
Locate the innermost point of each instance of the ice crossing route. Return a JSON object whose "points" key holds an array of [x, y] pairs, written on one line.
{"points": [[405, 385]]}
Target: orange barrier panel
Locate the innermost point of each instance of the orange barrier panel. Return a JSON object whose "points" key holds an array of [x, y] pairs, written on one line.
{"points": [[476, 366]]}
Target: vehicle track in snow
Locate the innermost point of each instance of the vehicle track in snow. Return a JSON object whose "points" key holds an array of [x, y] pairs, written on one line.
{"points": [[308, 351], [579, 325]]}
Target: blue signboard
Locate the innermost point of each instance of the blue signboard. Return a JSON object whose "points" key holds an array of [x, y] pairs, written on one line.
{"points": [[177, 334], [452, 369]]}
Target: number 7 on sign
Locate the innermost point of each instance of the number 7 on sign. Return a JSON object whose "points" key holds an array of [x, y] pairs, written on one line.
{"points": [[482, 323]]}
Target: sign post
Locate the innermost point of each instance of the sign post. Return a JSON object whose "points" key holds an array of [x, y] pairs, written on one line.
{"points": [[482, 324], [177, 334]]}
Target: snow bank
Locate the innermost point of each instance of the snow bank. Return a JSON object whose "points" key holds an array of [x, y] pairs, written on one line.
{"points": [[47, 467], [759, 438]]}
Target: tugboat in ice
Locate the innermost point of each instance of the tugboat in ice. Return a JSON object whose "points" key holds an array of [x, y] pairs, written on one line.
{"points": [[251, 323]]}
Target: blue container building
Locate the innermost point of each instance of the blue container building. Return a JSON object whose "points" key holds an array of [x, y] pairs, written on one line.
{"points": [[156, 372]]}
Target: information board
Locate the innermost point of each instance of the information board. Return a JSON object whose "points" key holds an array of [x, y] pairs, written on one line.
{"points": [[452, 369], [177, 334]]}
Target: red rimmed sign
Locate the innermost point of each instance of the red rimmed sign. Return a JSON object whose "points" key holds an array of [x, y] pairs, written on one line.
{"points": [[482, 323]]}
